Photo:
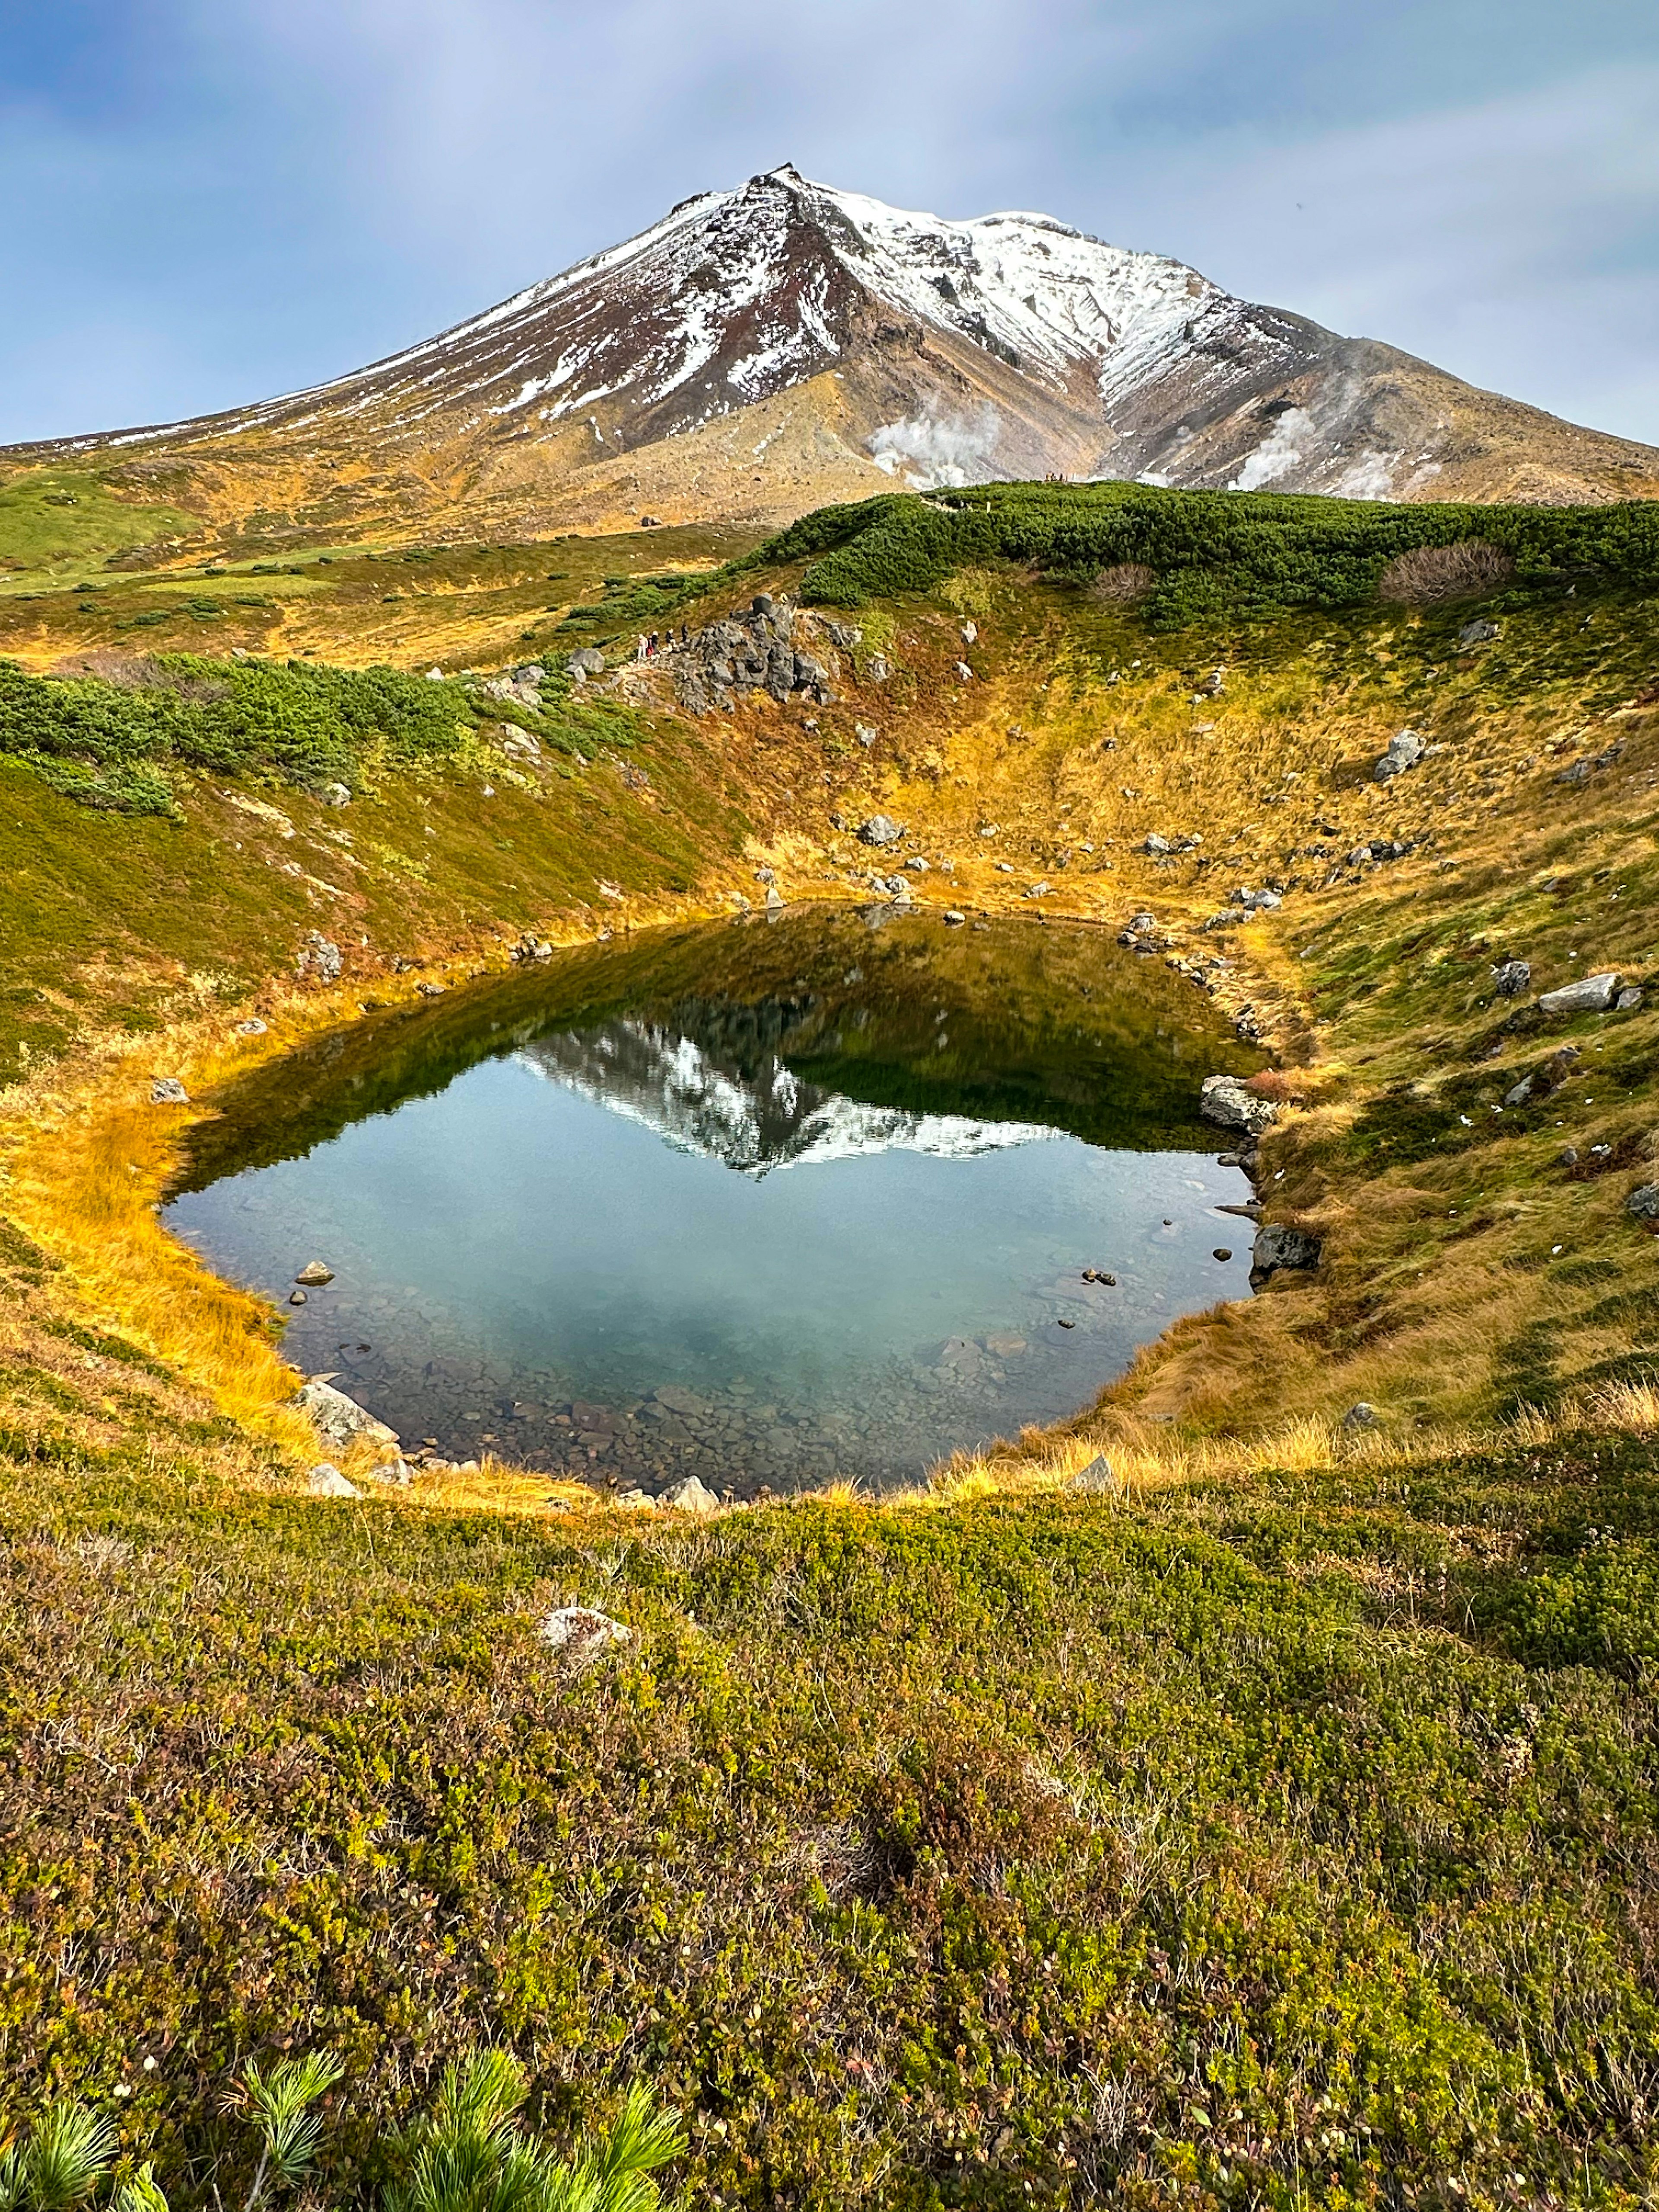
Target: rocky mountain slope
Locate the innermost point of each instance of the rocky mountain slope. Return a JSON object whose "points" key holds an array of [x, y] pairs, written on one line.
{"points": [[761, 350]]}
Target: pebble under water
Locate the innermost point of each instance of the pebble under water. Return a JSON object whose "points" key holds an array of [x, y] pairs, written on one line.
{"points": [[767, 1202]]}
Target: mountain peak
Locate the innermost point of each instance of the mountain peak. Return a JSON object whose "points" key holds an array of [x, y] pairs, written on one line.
{"points": [[762, 350]]}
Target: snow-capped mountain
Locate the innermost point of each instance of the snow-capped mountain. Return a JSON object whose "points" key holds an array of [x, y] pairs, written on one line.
{"points": [[762, 350], [668, 1083]]}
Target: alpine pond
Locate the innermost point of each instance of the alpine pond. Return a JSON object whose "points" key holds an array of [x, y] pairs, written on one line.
{"points": [[767, 1201]]}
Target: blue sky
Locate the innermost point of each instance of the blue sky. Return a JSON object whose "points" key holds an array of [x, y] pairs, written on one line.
{"points": [[210, 201]]}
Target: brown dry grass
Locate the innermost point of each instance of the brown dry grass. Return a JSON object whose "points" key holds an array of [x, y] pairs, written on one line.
{"points": [[1429, 575], [1123, 584]]}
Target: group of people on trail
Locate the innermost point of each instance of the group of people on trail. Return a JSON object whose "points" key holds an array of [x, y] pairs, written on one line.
{"points": [[647, 648]]}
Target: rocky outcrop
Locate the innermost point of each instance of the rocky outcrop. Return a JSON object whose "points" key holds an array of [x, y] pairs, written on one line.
{"points": [[581, 1633], [341, 1420], [1281, 1248], [1230, 1102], [761, 648], [1590, 994], [1406, 749]]}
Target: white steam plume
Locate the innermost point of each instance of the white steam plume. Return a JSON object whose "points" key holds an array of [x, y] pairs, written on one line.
{"points": [[930, 450], [1278, 454]]}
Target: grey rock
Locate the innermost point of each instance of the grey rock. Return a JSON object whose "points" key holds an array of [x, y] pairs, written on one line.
{"points": [[1581, 771], [335, 794], [866, 735], [879, 668], [1590, 994], [325, 1480], [954, 918], [1098, 1477], [1477, 632], [681, 1401], [1156, 845], [167, 1090], [1361, 1415], [315, 1274], [970, 633], [846, 636], [1253, 902], [1406, 749], [582, 1634], [586, 661], [1643, 1202], [691, 1496], [1279, 1246], [1628, 1001], [1225, 1100], [252, 1027], [341, 1420], [879, 829], [1512, 977], [1520, 1094], [320, 957]]}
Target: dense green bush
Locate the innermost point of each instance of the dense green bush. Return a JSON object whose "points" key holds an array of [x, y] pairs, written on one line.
{"points": [[1231, 553], [111, 744]]}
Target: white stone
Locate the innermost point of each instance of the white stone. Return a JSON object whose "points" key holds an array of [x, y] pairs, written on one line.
{"points": [[582, 1633], [691, 1496]]}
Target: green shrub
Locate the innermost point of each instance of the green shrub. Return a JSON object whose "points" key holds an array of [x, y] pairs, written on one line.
{"points": [[1234, 553], [111, 744]]}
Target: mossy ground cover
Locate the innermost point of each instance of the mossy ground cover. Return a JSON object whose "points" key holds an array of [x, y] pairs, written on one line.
{"points": [[1278, 1842], [60, 523]]}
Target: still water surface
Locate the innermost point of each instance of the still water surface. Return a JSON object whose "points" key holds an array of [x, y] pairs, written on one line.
{"points": [[766, 1202]]}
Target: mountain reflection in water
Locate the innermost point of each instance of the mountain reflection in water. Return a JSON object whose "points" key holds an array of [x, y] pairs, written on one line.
{"points": [[560, 1231], [667, 1082]]}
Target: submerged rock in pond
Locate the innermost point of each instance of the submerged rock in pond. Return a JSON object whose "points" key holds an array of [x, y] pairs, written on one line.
{"points": [[314, 1275]]}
